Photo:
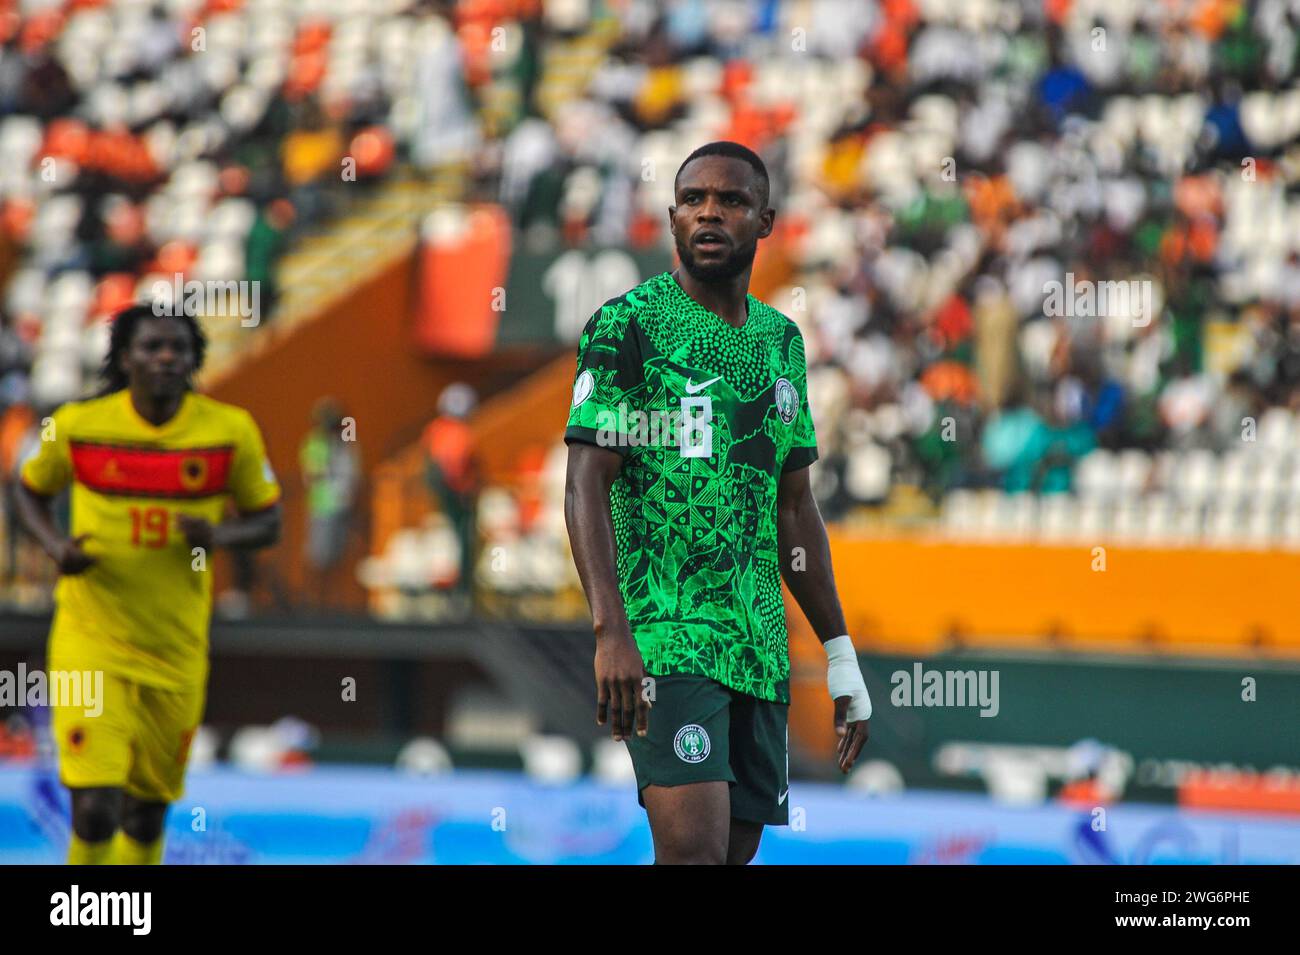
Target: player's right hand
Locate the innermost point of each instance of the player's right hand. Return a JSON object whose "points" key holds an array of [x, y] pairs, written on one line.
{"points": [[619, 672], [70, 558]]}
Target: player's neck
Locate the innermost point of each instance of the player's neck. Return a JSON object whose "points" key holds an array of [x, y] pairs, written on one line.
{"points": [[156, 411], [727, 299]]}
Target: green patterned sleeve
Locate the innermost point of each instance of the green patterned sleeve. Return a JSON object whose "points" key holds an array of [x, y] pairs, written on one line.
{"points": [[609, 382], [803, 447]]}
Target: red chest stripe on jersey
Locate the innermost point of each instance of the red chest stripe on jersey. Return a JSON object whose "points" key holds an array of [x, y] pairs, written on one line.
{"points": [[151, 472]]}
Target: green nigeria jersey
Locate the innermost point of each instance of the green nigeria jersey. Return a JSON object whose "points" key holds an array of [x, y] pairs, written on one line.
{"points": [[707, 416]]}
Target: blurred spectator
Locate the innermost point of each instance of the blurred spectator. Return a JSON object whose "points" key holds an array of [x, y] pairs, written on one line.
{"points": [[331, 474], [1240, 401], [115, 233], [311, 155], [17, 424], [15, 356], [1034, 447], [452, 471], [1185, 405], [446, 130], [266, 243], [20, 437]]}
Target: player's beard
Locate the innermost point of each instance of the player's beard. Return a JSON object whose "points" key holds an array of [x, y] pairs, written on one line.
{"points": [[741, 258]]}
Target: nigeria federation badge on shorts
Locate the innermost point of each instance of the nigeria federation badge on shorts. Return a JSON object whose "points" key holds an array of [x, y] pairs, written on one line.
{"points": [[691, 744]]}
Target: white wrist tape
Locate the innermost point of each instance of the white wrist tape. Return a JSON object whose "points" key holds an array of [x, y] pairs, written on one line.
{"points": [[844, 677]]}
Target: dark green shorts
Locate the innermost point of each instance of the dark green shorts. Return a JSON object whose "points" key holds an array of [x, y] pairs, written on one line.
{"points": [[701, 731]]}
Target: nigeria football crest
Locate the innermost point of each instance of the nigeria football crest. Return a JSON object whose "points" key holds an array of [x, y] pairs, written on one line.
{"points": [[583, 387], [787, 400], [691, 744]]}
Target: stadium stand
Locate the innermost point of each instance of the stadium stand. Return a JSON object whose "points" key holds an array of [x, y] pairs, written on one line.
{"points": [[937, 165]]}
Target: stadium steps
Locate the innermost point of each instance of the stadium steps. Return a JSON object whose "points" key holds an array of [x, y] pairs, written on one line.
{"points": [[381, 228], [328, 263], [568, 65]]}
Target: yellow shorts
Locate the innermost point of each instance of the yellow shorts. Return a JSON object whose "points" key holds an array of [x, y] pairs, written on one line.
{"points": [[139, 742]]}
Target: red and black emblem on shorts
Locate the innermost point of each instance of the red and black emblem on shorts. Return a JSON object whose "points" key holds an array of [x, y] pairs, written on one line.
{"points": [[76, 739]]}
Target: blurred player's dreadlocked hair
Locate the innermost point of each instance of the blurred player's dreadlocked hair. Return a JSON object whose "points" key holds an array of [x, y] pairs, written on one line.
{"points": [[123, 330]]}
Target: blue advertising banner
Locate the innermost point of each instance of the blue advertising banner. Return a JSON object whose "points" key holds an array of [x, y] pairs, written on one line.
{"points": [[366, 815]]}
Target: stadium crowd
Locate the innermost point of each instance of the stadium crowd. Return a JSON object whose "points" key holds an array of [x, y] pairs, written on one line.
{"points": [[205, 147], [936, 166]]}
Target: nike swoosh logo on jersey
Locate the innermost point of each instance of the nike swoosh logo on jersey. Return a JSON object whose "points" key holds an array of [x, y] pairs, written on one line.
{"points": [[782, 799], [693, 388]]}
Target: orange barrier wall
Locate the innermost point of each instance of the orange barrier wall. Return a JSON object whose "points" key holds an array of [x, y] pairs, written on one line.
{"points": [[920, 593], [923, 595]]}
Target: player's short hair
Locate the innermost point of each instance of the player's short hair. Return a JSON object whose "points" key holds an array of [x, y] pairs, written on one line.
{"points": [[123, 330], [725, 147]]}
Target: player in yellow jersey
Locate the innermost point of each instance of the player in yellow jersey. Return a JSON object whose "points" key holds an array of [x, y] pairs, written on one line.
{"points": [[152, 466]]}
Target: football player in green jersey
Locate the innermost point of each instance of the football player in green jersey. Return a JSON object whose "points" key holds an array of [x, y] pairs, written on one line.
{"points": [[687, 501]]}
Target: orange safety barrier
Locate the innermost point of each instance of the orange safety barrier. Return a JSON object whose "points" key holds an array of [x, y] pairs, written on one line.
{"points": [[921, 593], [457, 315]]}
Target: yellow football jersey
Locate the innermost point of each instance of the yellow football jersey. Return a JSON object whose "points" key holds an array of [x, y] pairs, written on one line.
{"points": [[142, 610]]}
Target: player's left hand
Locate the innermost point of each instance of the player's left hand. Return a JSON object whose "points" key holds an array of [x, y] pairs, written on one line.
{"points": [[849, 691], [853, 736], [197, 531]]}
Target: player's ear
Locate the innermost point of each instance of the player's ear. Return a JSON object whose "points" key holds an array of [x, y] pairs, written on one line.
{"points": [[765, 220]]}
